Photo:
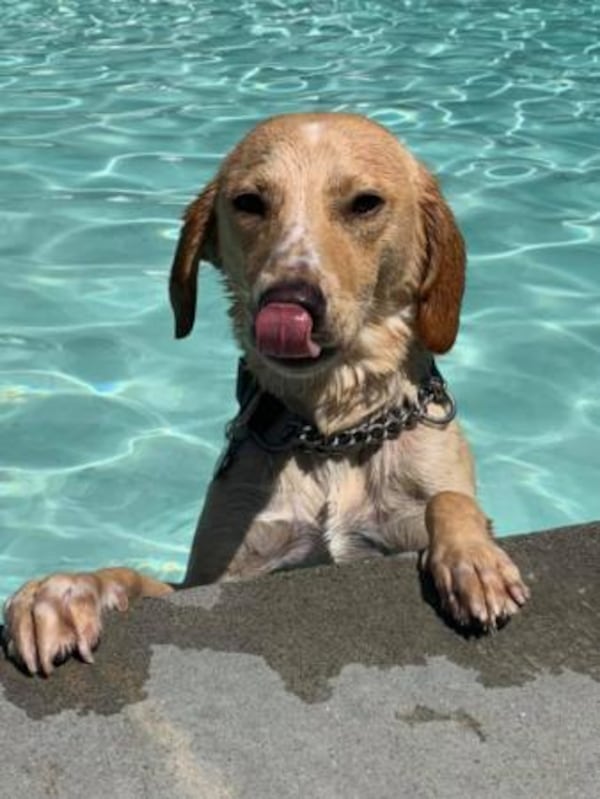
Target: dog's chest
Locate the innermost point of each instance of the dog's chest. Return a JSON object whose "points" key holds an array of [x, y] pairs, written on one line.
{"points": [[349, 495], [370, 495]]}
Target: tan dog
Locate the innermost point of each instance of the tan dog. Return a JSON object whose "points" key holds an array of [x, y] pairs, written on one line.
{"points": [[345, 270]]}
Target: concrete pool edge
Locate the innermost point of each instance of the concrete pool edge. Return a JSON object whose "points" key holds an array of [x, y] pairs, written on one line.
{"points": [[334, 681]]}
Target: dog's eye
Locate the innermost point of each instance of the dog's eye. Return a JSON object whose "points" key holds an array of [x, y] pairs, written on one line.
{"points": [[366, 203], [250, 203]]}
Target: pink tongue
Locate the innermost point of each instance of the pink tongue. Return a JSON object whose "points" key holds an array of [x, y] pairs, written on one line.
{"points": [[284, 330]]}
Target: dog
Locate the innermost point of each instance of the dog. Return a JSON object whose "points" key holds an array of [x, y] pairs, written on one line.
{"points": [[345, 268]]}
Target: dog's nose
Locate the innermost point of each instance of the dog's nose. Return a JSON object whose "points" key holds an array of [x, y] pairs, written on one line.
{"points": [[296, 292]]}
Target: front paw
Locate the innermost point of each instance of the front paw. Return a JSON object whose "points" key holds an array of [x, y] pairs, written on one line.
{"points": [[477, 583], [48, 620]]}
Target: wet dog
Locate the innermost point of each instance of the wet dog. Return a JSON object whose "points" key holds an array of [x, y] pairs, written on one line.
{"points": [[345, 272]]}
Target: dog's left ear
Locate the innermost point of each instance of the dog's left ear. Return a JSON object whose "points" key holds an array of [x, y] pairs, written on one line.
{"points": [[443, 270], [197, 240]]}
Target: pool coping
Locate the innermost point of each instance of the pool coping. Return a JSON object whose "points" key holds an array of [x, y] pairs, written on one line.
{"points": [[331, 681]]}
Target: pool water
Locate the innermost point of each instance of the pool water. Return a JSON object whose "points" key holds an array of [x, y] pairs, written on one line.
{"points": [[113, 114]]}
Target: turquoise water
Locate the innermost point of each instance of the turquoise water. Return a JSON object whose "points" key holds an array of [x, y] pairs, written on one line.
{"points": [[113, 114]]}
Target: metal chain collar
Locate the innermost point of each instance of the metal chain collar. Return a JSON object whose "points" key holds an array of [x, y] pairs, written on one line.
{"points": [[297, 434], [382, 426]]}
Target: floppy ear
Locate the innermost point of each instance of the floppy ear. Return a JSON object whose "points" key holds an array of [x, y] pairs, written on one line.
{"points": [[197, 240], [443, 276]]}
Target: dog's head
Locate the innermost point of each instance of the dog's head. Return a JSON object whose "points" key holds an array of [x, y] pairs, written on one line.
{"points": [[335, 244]]}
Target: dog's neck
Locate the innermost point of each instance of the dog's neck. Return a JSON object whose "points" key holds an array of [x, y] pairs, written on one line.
{"points": [[342, 395]]}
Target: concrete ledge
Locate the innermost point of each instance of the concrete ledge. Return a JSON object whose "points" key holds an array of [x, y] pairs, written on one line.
{"points": [[328, 682]]}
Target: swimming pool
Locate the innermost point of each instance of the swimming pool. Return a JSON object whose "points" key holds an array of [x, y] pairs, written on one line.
{"points": [[112, 116]]}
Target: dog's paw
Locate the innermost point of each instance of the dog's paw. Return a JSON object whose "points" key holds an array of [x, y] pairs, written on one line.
{"points": [[48, 620], [477, 583]]}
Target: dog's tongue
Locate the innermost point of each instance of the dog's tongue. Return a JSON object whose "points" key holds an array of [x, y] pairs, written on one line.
{"points": [[284, 330]]}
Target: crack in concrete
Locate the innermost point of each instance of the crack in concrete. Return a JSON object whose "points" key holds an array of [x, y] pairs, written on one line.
{"points": [[421, 714]]}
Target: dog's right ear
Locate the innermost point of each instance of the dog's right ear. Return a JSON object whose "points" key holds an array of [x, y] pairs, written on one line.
{"points": [[197, 241]]}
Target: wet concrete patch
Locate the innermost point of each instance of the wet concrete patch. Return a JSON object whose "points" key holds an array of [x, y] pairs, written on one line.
{"points": [[307, 625]]}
